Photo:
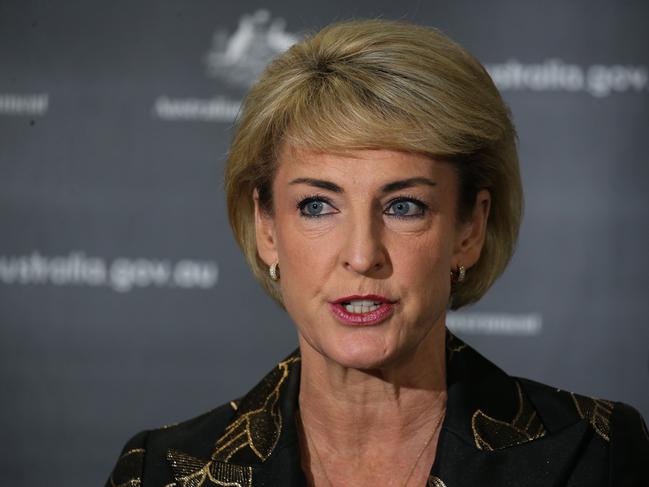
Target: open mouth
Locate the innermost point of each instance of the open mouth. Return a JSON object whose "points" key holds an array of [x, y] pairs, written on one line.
{"points": [[361, 306], [369, 310]]}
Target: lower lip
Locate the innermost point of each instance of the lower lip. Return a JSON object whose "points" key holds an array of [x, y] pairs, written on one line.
{"points": [[375, 317]]}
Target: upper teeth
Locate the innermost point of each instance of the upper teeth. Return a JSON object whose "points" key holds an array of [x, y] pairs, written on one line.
{"points": [[361, 306]]}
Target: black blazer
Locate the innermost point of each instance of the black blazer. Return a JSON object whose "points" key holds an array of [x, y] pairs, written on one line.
{"points": [[498, 431]]}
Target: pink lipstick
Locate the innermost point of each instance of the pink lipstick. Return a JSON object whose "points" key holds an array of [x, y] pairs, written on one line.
{"points": [[369, 309]]}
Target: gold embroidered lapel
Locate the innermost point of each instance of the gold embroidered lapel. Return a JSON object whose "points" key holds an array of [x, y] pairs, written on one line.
{"points": [[492, 433], [259, 423], [256, 428], [596, 411], [193, 472]]}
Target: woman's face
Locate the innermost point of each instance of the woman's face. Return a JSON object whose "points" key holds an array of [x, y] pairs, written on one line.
{"points": [[366, 241]]}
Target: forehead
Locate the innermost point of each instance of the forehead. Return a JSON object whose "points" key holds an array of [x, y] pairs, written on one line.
{"points": [[356, 163]]}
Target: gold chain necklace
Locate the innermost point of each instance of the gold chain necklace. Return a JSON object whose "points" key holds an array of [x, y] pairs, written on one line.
{"points": [[321, 463]]}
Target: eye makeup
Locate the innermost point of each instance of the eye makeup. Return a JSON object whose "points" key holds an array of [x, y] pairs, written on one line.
{"points": [[408, 199], [316, 199], [311, 206]]}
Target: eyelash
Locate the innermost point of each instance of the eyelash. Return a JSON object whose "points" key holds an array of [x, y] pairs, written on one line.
{"points": [[302, 202], [423, 207], [305, 200]]}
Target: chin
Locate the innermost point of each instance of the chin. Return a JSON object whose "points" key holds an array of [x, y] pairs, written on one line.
{"points": [[363, 353]]}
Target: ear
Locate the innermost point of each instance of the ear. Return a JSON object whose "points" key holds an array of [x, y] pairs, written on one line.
{"points": [[471, 234], [264, 233]]}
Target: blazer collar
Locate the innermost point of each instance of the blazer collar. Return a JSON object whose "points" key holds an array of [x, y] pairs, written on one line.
{"points": [[486, 408], [488, 412], [493, 432]]}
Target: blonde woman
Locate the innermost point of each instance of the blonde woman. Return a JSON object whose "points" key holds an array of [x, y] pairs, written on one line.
{"points": [[373, 184]]}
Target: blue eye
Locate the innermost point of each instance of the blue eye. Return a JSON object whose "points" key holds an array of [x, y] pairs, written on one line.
{"points": [[314, 207], [406, 208]]}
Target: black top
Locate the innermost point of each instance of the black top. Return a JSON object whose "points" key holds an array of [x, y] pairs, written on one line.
{"points": [[498, 431]]}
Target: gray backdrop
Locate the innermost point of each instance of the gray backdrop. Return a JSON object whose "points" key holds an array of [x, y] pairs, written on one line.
{"points": [[118, 274]]}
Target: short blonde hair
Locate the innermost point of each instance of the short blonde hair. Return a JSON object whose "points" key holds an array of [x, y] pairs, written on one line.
{"points": [[378, 84]]}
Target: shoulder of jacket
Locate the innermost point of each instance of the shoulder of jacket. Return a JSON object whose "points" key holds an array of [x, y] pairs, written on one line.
{"points": [[613, 422], [629, 431], [146, 452], [211, 419], [629, 447], [130, 464]]}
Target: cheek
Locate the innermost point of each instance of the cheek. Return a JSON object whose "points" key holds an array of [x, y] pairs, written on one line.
{"points": [[422, 265], [304, 256]]}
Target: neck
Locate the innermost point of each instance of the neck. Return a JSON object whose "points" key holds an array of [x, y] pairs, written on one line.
{"points": [[355, 410]]}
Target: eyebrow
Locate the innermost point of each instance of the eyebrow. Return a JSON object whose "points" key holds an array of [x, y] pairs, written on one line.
{"points": [[386, 188]]}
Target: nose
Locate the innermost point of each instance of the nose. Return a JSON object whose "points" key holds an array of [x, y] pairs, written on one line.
{"points": [[364, 251]]}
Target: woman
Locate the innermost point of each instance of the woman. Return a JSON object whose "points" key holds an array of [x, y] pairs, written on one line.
{"points": [[372, 184]]}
